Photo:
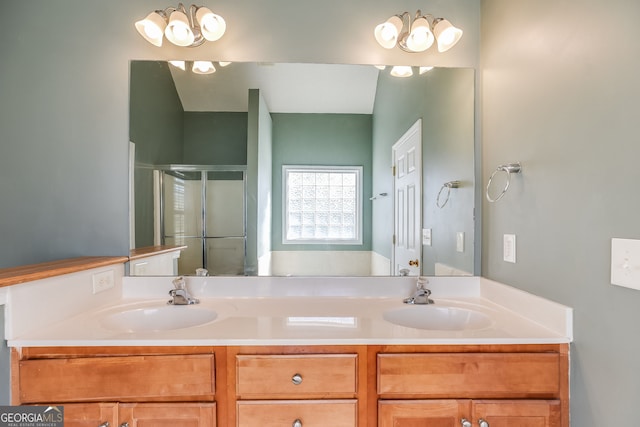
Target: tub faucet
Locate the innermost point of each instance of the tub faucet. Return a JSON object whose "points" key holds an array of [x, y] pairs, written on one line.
{"points": [[421, 295], [180, 295]]}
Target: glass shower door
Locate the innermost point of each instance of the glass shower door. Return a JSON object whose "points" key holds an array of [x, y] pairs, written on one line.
{"points": [[183, 217], [205, 211], [225, 235]]}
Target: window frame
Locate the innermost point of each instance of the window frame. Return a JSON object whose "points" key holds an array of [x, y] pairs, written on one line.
{"points": [[359, 219]]}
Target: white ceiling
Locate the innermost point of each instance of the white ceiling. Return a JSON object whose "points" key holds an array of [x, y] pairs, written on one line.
{"points": [[286, 88]]}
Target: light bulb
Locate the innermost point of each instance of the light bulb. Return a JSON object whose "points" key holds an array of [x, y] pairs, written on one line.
{"points": [[203, 67], [421, 38], [446, 34], [401, 71], [212, 26], [386, 34], [152, 27], [179, 31]]}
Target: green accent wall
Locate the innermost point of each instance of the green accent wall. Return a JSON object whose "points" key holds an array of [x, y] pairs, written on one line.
{"points": [[156, 125], [444, 98], [215, 138], [321, 139]]}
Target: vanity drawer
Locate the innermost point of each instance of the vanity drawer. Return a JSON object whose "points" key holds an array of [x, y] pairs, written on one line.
{"points": [[310, 413], [296, 376], [469, 375], [169, 378]]}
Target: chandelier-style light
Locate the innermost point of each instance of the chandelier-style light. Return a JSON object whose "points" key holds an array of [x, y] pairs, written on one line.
{"points": [[182, 27], [417, 34]]}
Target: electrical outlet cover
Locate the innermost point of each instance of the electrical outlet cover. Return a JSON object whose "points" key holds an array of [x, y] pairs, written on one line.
{"points": [[625, 263]]}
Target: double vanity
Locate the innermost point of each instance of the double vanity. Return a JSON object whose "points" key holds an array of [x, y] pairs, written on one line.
{"points": [[278, 351]]}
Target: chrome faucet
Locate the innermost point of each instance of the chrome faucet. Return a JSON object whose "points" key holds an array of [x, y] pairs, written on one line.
{"points": [[421, 295], [180, 295]]}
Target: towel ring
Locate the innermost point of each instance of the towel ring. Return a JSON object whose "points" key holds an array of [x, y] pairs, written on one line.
{"points": [[448, 185], [509, 168]]}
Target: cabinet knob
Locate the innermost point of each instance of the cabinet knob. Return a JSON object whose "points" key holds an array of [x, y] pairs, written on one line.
{"points": [[465, 422], [104, 424], [297, 380], [297, 423], [483, 423], [125, 424]]}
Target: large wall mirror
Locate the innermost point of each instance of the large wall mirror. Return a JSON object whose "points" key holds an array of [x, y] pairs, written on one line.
{"points": [[288, 169]]}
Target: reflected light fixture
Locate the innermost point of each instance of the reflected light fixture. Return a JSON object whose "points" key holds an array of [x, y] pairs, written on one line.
{"points": [[182, 26], [198, 67], [417, 34], [401, 71]]}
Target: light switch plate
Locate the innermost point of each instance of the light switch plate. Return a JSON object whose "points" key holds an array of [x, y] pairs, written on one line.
{"points": [[460, 241], [426, 236], [625, 263], [509, 248]]}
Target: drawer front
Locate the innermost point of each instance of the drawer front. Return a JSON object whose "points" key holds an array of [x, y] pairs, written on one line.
{"points": [[310, 413], [296, 376], [123, 379], [469, 375]]}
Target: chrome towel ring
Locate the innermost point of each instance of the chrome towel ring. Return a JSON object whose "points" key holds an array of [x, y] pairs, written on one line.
{"points": [[509, 168], [448, 185]]}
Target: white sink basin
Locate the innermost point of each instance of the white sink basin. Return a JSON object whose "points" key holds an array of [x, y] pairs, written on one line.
{"points": [[433, 317], [161, 318]]}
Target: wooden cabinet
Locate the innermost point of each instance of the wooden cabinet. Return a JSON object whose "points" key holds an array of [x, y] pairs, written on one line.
{"points": [[140, 414], [452, 413], [473, 388], [143, 387], [310, 390], [307, 386]]}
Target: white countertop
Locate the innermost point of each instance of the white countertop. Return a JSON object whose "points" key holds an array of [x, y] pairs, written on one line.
{"points": [[308, 311]]}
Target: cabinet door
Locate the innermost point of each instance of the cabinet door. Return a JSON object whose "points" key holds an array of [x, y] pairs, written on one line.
{"points": [[168, 414], [421, 413], [90, 414], [527, 413]]}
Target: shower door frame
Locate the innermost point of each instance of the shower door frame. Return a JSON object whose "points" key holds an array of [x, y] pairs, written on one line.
{"points": [[204, 169]]}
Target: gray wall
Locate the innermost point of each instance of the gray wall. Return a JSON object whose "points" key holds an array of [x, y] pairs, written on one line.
{"points": [[322, 140], [560, 93]]}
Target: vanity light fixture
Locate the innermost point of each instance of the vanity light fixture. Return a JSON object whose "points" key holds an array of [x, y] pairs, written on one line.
{"points": [[417, 34], [198, 67], [182, 26], [401, 71]]}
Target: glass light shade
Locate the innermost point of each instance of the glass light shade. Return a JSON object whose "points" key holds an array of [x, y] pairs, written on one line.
{"points": [[401, 71], [203, 67], [224, 63], [179, 64], [386, 34], [380, 67], [420, 38], [446, 34], [212, 26], [178, 30], [152, 28]]}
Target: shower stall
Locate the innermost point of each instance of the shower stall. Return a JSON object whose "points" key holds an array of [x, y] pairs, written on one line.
{"points": [[203, 208]]}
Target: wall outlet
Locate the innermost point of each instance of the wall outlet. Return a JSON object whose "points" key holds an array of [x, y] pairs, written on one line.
{"points": [[460, 241], [103, 281], [625, 263], [509, 248]]}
